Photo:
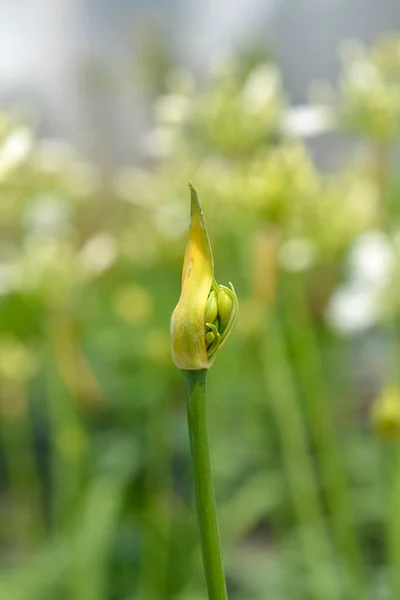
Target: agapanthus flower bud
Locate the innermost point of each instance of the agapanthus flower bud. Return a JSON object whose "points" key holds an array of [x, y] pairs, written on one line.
{"points": [[206, 311]]}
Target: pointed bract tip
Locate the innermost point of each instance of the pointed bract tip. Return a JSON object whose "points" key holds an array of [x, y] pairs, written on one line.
{"points": [[195, 204]]}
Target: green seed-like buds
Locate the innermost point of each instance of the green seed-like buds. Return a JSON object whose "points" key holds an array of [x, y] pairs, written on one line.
{"points": [[206, 312], [211, 308], [210, 337], [224, 319], [225, 305]]}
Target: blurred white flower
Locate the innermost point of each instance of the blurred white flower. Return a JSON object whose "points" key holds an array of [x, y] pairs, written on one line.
{"points": [[357, 305], [297, 254], [159, 143], [14, 150], [372, 259], [48, 215], [262, 86], [171, 109], [352, 308], [307, 121], [363, 74], [98, 254]]}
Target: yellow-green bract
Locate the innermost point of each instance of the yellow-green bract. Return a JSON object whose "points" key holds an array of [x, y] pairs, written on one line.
{"points": [[204, 306]]}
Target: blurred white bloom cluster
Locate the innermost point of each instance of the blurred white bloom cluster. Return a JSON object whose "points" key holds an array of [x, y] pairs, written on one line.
{"points": [[14, 149], [306, 121], [357, 304], [262, 86], [98, 253], [297, 254], [48, 215], [172, 109]]}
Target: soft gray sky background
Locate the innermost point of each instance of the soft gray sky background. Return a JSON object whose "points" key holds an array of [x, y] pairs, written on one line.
{"points": [[47, 46]]}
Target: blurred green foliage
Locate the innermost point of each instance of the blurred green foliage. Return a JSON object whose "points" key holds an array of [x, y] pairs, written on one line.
{"points": [[96, 494]]}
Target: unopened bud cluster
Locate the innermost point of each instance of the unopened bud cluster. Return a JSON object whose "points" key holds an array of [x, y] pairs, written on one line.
{"points": [[220, 316]]}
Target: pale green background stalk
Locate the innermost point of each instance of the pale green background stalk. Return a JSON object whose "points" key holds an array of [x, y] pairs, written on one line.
{"points": [[313, 535], [318, 408], [157, 509]]}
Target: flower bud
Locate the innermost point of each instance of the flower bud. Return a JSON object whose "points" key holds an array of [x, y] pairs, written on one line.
{"points": [[206, 311], [211, 308], [210, 337], [225, 305]]}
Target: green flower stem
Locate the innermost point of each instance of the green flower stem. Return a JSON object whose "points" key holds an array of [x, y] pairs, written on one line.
{"points": [[324, 583], [321, 419], [195, 385], [392, 520], [24, 482], [156, 516], [68, 460], [382, 166], [389, 472], [390, 483]]}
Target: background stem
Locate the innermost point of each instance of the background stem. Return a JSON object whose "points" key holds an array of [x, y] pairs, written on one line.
{"points": [[195, 385], [319, 411], [320, 569]]}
